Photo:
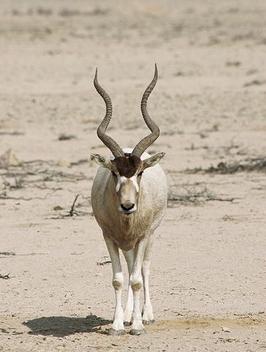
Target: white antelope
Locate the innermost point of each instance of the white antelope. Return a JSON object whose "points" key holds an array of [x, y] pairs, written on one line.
{"points": [[129, 197]]}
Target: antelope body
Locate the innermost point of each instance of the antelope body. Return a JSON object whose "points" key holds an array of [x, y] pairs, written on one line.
{"points": [[129, 196]]}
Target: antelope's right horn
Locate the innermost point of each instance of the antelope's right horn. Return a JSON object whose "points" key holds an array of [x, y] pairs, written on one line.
{"points": [[107, 140]]}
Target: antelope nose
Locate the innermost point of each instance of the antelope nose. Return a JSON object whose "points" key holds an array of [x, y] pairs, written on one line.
{"points": [[127, 206]]}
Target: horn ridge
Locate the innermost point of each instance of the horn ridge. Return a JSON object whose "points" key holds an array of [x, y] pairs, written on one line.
{"points": [[107, 140], [155, 131]]}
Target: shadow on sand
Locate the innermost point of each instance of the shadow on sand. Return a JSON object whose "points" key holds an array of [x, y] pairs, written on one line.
{"points": [[63, 326]]}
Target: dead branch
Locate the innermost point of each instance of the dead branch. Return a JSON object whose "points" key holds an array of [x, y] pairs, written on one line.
{"points": [[106, 260], [5, 197], [7, 253], [5, 276], [72, 209]]}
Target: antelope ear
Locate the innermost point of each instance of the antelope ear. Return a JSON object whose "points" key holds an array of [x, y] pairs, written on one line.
{"points": [[100, 160], [153, 160]]}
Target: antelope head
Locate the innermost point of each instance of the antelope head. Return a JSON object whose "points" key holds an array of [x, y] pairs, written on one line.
{"points": [[127, 168]]}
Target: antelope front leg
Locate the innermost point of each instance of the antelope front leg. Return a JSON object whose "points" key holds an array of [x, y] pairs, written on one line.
{"points": [[136, 285], [118, 321], [129, 256], [147, 315]]}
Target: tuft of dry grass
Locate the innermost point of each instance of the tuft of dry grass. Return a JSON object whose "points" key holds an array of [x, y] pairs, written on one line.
{"points": [[247, 165], [195, 195]]}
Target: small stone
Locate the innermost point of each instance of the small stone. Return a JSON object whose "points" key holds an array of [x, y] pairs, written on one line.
{"points": [[57, 208], [66, 137], [9, 159], [225, 329], [63, 163]]}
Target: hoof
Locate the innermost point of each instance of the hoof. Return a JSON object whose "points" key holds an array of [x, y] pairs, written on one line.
{"points": [[136, 332], [148, 322], [114, 332], [127, 323]]}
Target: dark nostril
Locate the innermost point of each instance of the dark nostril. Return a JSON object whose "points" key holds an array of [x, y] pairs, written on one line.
{"points": [[127, 206]]}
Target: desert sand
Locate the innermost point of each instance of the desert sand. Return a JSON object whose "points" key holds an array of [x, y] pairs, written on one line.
{"points": [[209, 264]]}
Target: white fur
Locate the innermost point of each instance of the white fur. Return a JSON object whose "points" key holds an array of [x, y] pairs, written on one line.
{"points": [[123, 179], [132, 233]]}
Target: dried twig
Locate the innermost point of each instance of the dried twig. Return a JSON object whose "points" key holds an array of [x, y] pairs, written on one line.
{"points": [[105, 260], [5, 197], [5, 277], [13, 133], [7, 253], [72, 209], [221, 199]]}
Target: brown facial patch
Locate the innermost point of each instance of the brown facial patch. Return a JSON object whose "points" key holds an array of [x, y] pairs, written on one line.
{"points": [[127, 165]]}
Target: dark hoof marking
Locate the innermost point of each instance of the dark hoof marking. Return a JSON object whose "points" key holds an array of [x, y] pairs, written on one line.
{"points": [[136, 332], [148, 322], [127, 323], [114, 332]]}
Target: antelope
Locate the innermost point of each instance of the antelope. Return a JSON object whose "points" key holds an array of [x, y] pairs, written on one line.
{"points": [[129, 198]]}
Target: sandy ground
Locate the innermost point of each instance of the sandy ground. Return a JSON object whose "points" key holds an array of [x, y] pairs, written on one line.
{"points": [[209, 270]]}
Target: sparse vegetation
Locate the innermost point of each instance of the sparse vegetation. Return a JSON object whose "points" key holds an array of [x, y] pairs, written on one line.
{"points": [[247, 165], [195, 195]]}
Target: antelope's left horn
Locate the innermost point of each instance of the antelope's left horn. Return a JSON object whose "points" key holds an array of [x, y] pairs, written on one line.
{"points": [[155, 131]]}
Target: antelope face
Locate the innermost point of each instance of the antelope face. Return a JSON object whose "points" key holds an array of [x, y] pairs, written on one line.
{"points": [[127, 190], [127, 173]]}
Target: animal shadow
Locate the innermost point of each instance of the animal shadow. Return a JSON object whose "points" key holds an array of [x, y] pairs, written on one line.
{"points": [[62, 326]]}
